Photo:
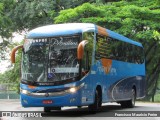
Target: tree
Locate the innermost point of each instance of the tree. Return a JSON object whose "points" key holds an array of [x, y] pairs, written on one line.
{"points": [[5, 32], [13, 74], [138, 20], [5, 22], [29, 14]]}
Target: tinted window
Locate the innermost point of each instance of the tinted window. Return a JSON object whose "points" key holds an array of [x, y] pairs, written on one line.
{"points": [[110, 48]]}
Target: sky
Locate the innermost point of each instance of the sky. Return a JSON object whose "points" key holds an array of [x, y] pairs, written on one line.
{"points": [[4, 64]]}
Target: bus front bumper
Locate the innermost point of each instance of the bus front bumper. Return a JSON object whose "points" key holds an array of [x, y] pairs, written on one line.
{"points": [[70, 99]]}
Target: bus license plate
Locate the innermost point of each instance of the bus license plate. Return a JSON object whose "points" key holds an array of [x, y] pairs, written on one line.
{"points": [[47, 101]]}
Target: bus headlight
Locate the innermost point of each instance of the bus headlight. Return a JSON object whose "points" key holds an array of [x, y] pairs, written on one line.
{"points": [[24, 91], [74, 89]]}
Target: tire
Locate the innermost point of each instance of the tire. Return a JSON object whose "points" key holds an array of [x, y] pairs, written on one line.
{"points": [[124, 104], [97, 102], [79, 106], [130, 103], [47, 109]]}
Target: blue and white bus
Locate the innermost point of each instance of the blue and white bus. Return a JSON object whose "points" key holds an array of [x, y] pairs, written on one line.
{"points": [[80, 64]]}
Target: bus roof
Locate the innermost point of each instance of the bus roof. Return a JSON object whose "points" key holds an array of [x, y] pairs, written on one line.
{"points": [[122, 38], [59, 29], [73, 28]]}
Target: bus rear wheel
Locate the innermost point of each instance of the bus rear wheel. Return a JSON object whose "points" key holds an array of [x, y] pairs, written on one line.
{"points": [[130, 103], [97, 102]]}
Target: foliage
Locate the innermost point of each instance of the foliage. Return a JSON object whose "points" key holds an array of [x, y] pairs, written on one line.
{"points": [[5, 31], [157, 98], [29, 14], [5, 22], [138, 20], [13, 74]]}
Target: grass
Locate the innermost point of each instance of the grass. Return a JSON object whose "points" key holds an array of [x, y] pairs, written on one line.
{"points": [[157, 98]]}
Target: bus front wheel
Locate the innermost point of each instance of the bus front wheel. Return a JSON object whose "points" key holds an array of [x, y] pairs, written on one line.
{"points": [[97, 102], [48, 109]]}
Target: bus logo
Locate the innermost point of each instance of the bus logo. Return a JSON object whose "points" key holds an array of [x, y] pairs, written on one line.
{"points": [[47, 94]]}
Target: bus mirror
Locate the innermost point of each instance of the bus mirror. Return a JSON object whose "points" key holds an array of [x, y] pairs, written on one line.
{"points": [[80, 49], [13, 52]]}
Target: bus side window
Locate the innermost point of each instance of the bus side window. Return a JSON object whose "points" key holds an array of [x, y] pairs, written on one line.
{"points": [[85, 63], [102, 47]]}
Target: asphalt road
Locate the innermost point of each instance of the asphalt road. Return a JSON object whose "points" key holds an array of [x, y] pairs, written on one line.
{"points": [[109, 111]]}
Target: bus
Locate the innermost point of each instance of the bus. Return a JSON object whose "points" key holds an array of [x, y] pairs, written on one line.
{"points": [[80, 64]]}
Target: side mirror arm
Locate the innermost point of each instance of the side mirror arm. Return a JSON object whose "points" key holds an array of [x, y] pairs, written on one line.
{"points": [[80, 49], [13, 52]]}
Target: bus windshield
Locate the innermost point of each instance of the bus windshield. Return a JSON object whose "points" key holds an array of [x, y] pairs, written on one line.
{"points": [[50, 59]]}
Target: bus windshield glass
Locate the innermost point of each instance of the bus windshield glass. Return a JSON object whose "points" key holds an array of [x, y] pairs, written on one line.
{"points": [[50, 59]]}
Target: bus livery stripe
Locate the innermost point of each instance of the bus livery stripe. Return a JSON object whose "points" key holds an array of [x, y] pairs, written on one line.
{"points": [[102, 31], [107, 63]]}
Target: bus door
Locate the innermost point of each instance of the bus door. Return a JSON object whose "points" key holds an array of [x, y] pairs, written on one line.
{"points": [[86, 65]]}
